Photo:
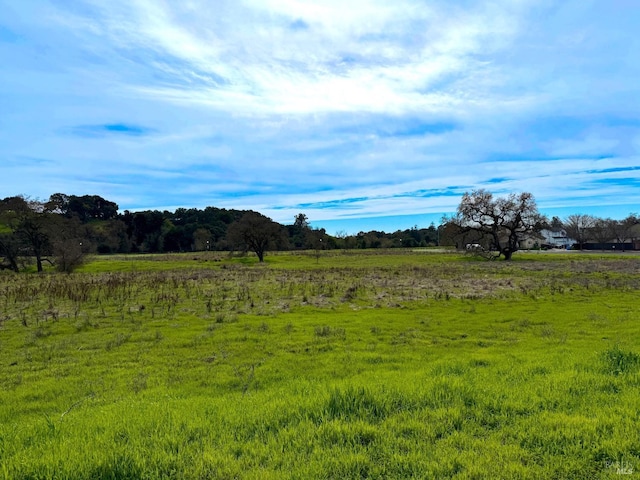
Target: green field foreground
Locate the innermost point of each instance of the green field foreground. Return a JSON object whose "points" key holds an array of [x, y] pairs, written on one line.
{"points": [[337, 365]]}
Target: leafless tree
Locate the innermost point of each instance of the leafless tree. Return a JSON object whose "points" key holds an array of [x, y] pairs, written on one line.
{"points": [[622, 230], [602, 231], [69, 243], [579, 227]]}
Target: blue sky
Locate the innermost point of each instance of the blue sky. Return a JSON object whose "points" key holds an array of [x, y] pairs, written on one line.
{"points": [[364, 114]]}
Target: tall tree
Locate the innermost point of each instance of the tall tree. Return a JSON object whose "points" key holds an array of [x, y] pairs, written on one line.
{"points": [[579, 227], [301, 222], [504, 221], [602, 231], [254, 231], [299, 231], [90, 207], [556, 224], [58, 203], [622, 230]]}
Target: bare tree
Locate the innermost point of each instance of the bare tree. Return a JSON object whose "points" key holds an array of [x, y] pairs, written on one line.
{"points": [[602, 231], [255, 232], [623, 230], [579, 227], [69, 244], [504, 221], [343, 239], [68, 253]]}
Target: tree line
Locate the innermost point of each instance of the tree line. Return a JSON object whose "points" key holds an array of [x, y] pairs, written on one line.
{"points": [[63, 229]]}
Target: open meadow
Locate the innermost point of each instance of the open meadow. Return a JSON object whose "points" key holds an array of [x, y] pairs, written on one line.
{"points": [[368, 364]]}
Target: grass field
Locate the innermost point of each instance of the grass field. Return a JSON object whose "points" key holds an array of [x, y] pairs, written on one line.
{"points": [[375, 364]]}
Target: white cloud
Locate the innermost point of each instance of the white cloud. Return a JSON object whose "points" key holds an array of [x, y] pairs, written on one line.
{"points": [[371, 56], [271, 104]]}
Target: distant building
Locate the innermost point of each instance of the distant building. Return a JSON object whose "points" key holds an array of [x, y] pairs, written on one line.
{"points": [[556, 239], [529, 241], [546, 239]]}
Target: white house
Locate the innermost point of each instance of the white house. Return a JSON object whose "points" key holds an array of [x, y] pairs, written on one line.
{"points": [[546, 239], [556, 238]]}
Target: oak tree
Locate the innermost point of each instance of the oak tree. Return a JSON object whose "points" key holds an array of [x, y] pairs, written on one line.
{"points": [[255, 232], [502, 221]]}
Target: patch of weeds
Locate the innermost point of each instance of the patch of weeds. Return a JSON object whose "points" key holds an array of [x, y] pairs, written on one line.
{"points": [[351, 293], [539, 370], [327, 331], [117, 341], [617, 361], [596, 318], [226, 318], [448, 369], [521, 325], [246, 375], [374, 360], [425, 321], [405, 338], [12, 382], [52, 314], [139, 382], [288, 328], [479, 362], [442, 295], [199, 340], [547, 331], [40, 332], [356, 403], [84, 324]]}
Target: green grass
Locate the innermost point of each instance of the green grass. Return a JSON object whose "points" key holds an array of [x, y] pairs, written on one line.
{"points": [[367, 365], [286, 260]]}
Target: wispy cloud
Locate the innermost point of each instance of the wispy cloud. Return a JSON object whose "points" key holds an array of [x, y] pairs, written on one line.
{"points": [[93, 131], [359, 109]]}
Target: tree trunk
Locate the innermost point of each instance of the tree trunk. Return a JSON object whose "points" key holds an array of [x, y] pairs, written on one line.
{"points": [[9, 249], [12, 265]]}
